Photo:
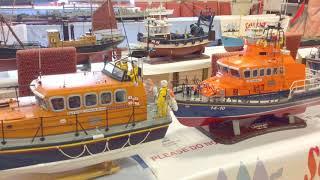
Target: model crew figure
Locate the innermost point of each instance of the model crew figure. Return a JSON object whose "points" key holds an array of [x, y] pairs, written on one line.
{"points": [[259, 91]]}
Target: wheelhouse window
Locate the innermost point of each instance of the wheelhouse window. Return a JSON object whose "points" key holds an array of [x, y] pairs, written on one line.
{"points": [[268, 71], [105, 98], [255, 73], [41, 102], [120, 96], [225, 70], [58, 103], [281, 70], [275, 71], [234, 73], [261, 72], [114, 71], [90, 99], [247, 73], [74, 102]]}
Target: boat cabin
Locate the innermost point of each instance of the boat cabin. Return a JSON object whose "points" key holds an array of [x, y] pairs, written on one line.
{"points": [[263, 68], [80, 91], [54, 40], [157, 27]]}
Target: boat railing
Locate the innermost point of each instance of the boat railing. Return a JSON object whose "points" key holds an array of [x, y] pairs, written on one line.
{"points": [[190, 92], [312, 73], [303, 86], [73, 119]]}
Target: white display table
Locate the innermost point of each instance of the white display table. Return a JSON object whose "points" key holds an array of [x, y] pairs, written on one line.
{"points": [[188, 154]]}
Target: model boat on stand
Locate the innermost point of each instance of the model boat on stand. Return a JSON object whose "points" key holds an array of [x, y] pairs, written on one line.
{"points": [[103, 36], [158, 41], [75, 117], [251, 94]]}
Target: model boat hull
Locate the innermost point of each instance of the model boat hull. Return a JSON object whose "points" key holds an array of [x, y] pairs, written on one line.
{"points": [[179, 50], [192, 114], [28, 156], [8, 53], [84, 54], [232, 44], [99, 47]]}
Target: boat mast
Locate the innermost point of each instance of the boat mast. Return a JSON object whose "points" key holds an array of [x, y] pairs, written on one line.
{"points": [[91, 10], [111, 24], [3, 21], [148, 29]]}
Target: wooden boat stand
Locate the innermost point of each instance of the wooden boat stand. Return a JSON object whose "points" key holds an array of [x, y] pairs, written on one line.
{"points": [[235, 131], [91, 172]]}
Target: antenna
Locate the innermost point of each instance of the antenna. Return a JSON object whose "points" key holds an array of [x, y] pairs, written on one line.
{"points": [[91, 11], [40, 68], [125, 31], [110, 23]]}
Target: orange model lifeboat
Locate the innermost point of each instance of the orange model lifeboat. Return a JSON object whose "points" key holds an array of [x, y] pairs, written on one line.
{"points": [[265, 80]]}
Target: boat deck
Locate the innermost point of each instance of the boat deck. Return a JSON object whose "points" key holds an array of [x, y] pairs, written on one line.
{"points": [[272, 98], [54, 140]]}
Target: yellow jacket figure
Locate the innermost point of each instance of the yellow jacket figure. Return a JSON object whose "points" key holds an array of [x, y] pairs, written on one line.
{"points": [[162, 100], [134, 73], [123, 65]]}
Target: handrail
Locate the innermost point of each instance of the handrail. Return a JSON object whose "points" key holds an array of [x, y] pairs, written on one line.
{"points": [[77, 123], [307, 84], [3, 142]]}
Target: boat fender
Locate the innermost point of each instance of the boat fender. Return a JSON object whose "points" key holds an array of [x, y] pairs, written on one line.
{"points": [[176, 43], [201, 39], [193, 41], [185, 42]]}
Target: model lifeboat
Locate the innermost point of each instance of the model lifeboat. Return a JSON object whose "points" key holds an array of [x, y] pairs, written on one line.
{"points": [[265, 80], [72, 116]]}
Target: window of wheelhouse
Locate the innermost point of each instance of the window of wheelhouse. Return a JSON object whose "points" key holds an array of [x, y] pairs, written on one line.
{"points": [[225, 70], [121, 96], [234, 73], [106, 98], [57, 103], [261, 72], [275, 71], [255, 73], [268, 72], [247, 73], [281, 70], [41, 102], [90, 99], [74, 102]]}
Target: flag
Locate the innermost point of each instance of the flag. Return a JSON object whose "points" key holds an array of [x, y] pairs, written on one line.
{"points": [[298, 14]]}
